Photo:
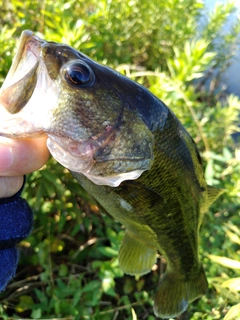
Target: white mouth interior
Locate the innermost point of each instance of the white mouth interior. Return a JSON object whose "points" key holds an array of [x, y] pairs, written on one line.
{"points": [[37, 113], [26, 63]]}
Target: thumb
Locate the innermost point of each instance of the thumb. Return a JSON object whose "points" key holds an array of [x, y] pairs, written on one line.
{"points": [[10, 185]]}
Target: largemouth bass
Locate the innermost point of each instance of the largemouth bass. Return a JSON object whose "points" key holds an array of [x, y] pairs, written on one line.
{"points": [[127, 149]]}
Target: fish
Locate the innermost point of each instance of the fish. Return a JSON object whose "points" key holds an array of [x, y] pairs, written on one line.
{"points": [[127, 149]]}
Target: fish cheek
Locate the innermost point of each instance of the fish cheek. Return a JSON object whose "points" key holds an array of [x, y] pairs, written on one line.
{"points": [[90, 112], [129, 148]]}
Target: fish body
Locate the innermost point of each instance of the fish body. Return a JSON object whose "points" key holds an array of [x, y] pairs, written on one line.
{"points": [[127, 150]]}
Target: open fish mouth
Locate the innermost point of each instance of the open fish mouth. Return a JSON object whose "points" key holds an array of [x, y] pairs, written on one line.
{"points": [[27, 92], [21, 80]]}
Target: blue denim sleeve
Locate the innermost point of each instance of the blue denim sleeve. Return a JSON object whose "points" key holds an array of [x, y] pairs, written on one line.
{"points": [[16, 220]]}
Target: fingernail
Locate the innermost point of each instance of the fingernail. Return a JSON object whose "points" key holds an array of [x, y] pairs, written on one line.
{"points": [[6, 158]]}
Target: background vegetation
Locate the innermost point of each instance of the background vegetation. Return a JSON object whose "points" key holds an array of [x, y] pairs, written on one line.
{"points": [[68, 267]]}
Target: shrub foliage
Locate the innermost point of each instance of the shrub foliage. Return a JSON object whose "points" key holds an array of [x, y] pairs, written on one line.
{"points": [[68, 267]]}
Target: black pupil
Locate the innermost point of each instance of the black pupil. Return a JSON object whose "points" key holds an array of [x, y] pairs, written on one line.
{"points": [[79, 74]]}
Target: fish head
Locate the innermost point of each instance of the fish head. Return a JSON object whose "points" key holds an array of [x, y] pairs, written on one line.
{"points": [[84, 108]]}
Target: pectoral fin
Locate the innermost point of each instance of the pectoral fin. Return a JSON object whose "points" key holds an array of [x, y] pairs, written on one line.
{"points": [[135, 256]]}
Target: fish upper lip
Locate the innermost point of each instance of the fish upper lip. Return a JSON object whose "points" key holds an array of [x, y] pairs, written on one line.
{"points": [[29, 49], [25, 69]]}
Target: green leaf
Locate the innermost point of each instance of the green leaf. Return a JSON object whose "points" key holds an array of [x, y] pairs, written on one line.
{"points": [[108, 252], [91, 286], [36, 314], [26, 303], [232, 284], [224, 261], [233, 313], [108, 285], [63, 270], [134, 316]]}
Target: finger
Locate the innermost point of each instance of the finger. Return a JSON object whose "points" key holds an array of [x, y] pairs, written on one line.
{"points": [[10, 185], [23, 156]]}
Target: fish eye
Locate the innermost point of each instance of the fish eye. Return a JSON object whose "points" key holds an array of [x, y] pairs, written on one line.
{"points": [[79, 74]]}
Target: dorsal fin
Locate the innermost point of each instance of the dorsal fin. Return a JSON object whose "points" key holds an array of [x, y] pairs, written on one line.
{"points": [[212, 194]]}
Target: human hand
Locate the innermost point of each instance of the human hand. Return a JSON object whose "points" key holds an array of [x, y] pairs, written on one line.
{"points": [[17, 158]]}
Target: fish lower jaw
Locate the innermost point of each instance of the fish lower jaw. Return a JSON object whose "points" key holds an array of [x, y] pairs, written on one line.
{"points": [[114, 180], [79, 157], [63, 151]]}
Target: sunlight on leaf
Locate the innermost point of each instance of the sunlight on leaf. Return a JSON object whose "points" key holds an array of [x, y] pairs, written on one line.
{"points": [[134, 316], [68, 265], [226, 262], [233, 313], [232, 284]]}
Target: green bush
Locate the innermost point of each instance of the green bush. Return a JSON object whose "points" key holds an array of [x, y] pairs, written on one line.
{"points": [[68, 267]]}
